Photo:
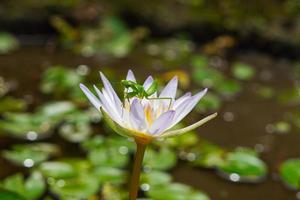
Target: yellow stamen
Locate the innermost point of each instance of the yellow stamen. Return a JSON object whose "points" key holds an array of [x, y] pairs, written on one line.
{"points": [[148, 113]]}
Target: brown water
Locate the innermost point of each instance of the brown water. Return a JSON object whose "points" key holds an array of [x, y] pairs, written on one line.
{"points": [[248, 127]]}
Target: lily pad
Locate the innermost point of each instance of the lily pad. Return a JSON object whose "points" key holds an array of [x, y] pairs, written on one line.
{"points": [[57, 170], [31, 188], [26, 125], [10, 104], [8, 43], [163, 159], [243, 165], [207, 155], [209, 102], [156, 178], [9, 195], [110, 175], [62, 82], [81, 187], [29, 155], [175, 191], [242, 71], [290, 173]]}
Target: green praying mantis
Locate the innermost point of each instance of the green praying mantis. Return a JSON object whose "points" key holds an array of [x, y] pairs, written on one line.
{"points": [[134, 89]]}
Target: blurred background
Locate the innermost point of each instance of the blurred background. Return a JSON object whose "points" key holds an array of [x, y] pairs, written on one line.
{"points": [[54, 145]]}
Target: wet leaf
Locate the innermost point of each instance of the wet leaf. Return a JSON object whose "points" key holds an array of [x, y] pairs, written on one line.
{"points": [[29, 155], [207, 155], [110, 175], [81, 187], [242, 71], [243, 165], [10, 104], [163, 159], [32, 188], [9, 195], [210, 102], [57, 169], [156, 178], [290, 173], [8, 43], [175, 191], [228, 87], [111, 192]]}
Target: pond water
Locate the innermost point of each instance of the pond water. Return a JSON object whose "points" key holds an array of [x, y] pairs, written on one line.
{"points": [[242, 121]]}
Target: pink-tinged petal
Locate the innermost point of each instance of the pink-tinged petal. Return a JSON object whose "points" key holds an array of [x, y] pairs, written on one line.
{"points": [[93, 99], [162, 122], [130, 76], [187, 106], [148, 82], [108, 107], [137, 114], [170, 89], [182, 99], [111, 92]]}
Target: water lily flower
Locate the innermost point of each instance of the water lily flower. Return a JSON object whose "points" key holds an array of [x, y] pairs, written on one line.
{"points": [[147, 118]]}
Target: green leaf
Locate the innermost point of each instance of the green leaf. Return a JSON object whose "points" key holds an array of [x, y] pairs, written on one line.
{"points": [[163, 159], [243, 165], [242, 71], [290, 173], [175, 191], [110, 175], [57, 169], [29, 155], [156, 178], [10, 195], [32, 188], [10, 104], [8, 43]]}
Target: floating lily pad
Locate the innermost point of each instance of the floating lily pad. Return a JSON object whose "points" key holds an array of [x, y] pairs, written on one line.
{"points": [[31, 188], [81, 187], [112, 192], [206, 155], [243, 165], [155, 178], [242, 71], [8, 43], [290, 96], [228, 87], [9, 195], [110, 175], [57, 170], [265, 92], [209, 102], [163, 159], [175, 191], [290, 173], [62, 82], [26, 125], [207, 77], [29, 155], [10, 104], [182, 141]]}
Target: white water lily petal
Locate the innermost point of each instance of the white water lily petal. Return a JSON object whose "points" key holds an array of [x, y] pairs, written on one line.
{"points": [[186, 107], [182, 99], [162, 122], [188, 128], [138, 115], [148, 82], [130, 76], [111, 92], [170, 89], [93, 99], [107, 106]]}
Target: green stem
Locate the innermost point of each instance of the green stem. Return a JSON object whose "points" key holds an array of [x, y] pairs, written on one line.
{"points": [[136, 172]]}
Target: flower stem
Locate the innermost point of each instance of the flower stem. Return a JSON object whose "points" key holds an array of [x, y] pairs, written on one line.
{"points": [[136, 172]]}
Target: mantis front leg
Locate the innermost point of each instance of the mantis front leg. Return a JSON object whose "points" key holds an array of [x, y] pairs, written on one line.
{"points": [[162, 98]]}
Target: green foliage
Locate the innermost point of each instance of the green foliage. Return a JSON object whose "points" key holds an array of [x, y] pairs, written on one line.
{"points": [[163, 159], [8, 43], [32, 153], [244, 164], [290, 173], [10, 104], [31, 188], [242, 71]]}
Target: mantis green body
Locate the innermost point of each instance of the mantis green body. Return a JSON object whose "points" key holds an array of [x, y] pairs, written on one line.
{"points": [[137, 90]]}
